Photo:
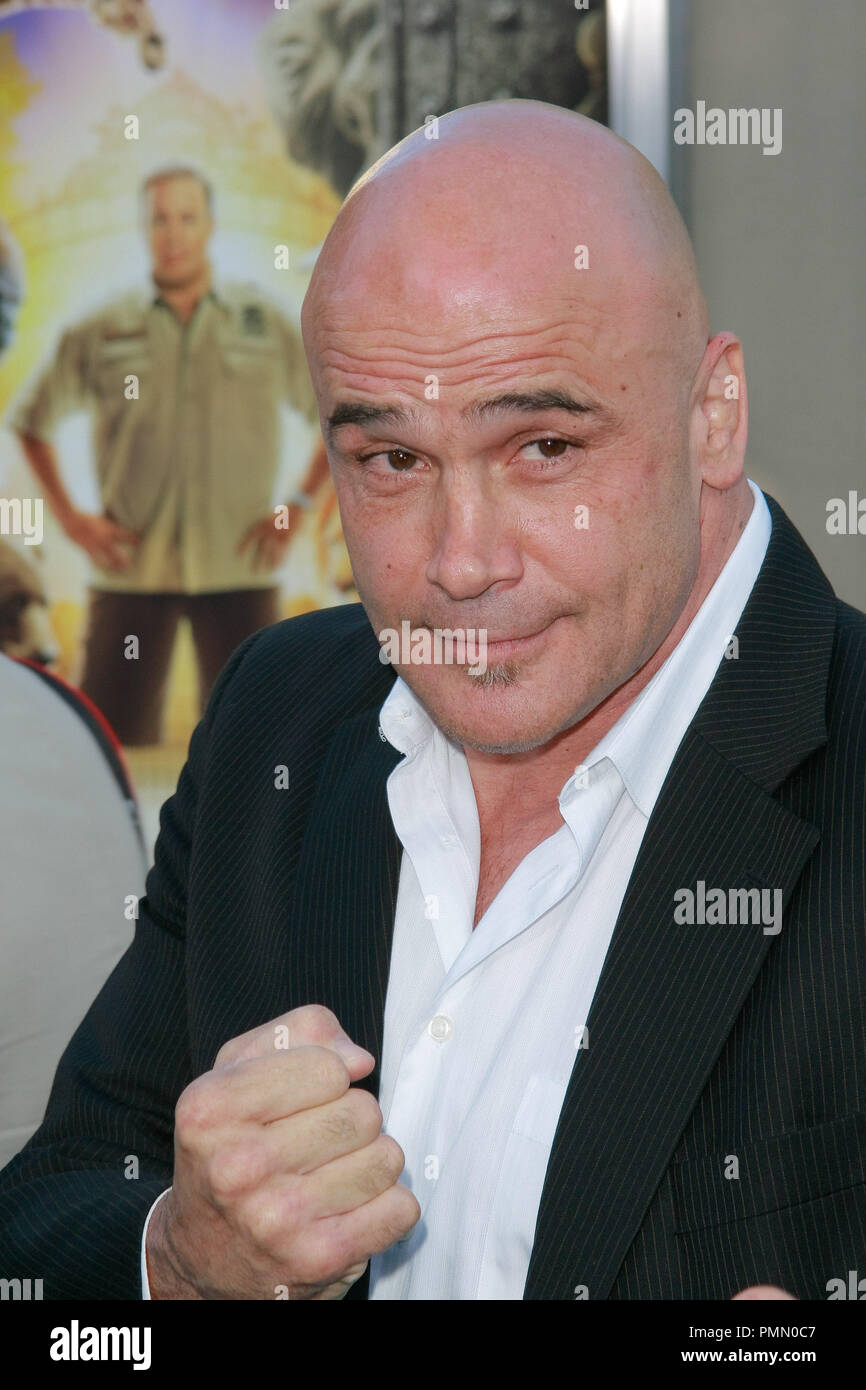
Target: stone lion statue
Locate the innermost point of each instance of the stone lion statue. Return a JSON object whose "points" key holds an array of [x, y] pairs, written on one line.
{"points": [[321, 60]]}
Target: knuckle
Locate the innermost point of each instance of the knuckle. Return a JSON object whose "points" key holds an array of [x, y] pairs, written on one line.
{"points": [[230, 1171], [383, 1165], [314, 1261], [338, 1252], [365, 1111], [196, 1108], [227, 1054], [314, 1021], [396, 1212], [391, 1157], [411, 1205], [404, 1211], [324, 1071], [263, 1221]]}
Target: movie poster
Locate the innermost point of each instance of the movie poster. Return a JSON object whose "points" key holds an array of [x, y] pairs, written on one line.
{"points": [[90, 112]]}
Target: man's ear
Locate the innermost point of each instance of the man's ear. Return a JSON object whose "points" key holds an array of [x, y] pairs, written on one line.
{"points": [[721, 412]]}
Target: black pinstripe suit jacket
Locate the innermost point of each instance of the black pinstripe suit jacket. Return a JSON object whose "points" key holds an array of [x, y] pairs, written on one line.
{"points": [[707, 1042]]}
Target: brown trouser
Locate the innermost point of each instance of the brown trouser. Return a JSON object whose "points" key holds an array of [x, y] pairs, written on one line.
{"points": [[131, 693]]}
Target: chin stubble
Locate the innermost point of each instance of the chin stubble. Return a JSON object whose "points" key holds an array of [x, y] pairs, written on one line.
{"points": [[505, 673]]}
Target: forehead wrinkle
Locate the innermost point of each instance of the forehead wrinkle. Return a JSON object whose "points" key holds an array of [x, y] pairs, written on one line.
{"points": [[555, 342], [381, 376], [516, 323]]}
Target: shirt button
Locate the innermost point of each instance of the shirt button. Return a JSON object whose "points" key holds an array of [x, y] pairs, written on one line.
{"points": [[449, 841], [440, 1028]]}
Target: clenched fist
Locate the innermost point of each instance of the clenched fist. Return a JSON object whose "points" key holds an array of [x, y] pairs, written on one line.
{"points": [[282, 1176]]}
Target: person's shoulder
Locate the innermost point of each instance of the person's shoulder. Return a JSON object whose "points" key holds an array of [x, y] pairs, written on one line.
{"points": [[316, 666], [235, 292], [118, 315], [344, 629], [245, 299], [845, 710], [849, 653], [851, 620], [341, 637], [45, 713], [117, 319]]}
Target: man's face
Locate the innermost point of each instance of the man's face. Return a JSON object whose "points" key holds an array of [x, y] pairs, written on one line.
{"points": [[575, 534], [178, 227]]}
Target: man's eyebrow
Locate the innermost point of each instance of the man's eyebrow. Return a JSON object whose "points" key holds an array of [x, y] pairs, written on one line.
{"points": [[362, 413], [508, 402], [530, 402]]}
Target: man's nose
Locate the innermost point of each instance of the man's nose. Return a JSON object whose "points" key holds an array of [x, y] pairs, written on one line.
{"points": [[474, 546]]}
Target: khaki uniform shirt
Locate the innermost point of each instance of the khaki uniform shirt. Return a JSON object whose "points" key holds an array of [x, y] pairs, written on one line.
{"points": [[191, 463]]}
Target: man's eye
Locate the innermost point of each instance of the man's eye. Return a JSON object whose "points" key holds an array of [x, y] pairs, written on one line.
{"points": [[550, 447], [400, 460]]}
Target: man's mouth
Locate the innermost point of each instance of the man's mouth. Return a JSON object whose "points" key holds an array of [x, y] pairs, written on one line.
{"points": [[505, 648]]}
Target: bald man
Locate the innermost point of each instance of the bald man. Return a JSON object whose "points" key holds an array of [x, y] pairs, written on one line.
{"points": [[504, 938]]}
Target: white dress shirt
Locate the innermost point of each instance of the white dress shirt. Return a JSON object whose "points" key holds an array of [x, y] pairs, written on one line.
{"points": [[483, 1026]]}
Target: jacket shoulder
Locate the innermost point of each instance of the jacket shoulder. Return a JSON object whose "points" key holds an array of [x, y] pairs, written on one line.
{"points": [[851, 621], [847, 685], [316, 668]]}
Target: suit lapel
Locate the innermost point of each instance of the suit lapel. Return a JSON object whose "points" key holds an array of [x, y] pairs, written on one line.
{"points": [[666, 1001], [348, 877], [347, 886], [669, 994]]}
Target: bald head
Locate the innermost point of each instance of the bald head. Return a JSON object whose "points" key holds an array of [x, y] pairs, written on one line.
{"points": [[500, 201], [529, 432]]}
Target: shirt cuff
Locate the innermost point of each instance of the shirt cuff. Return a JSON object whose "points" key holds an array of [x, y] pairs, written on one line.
{"points": [[145, 1286]]}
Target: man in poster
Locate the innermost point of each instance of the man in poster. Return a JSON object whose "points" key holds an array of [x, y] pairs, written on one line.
{"points": [[185, 383]]}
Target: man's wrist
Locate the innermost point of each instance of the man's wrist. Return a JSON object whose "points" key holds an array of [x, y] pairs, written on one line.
{"points": [[161, 1274], [145, 1282], [66, 515]]}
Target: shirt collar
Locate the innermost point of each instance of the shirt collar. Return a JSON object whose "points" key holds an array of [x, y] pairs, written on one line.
{"points": [[645, 738], [403, 720], [642, 743], [210, 293]]}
